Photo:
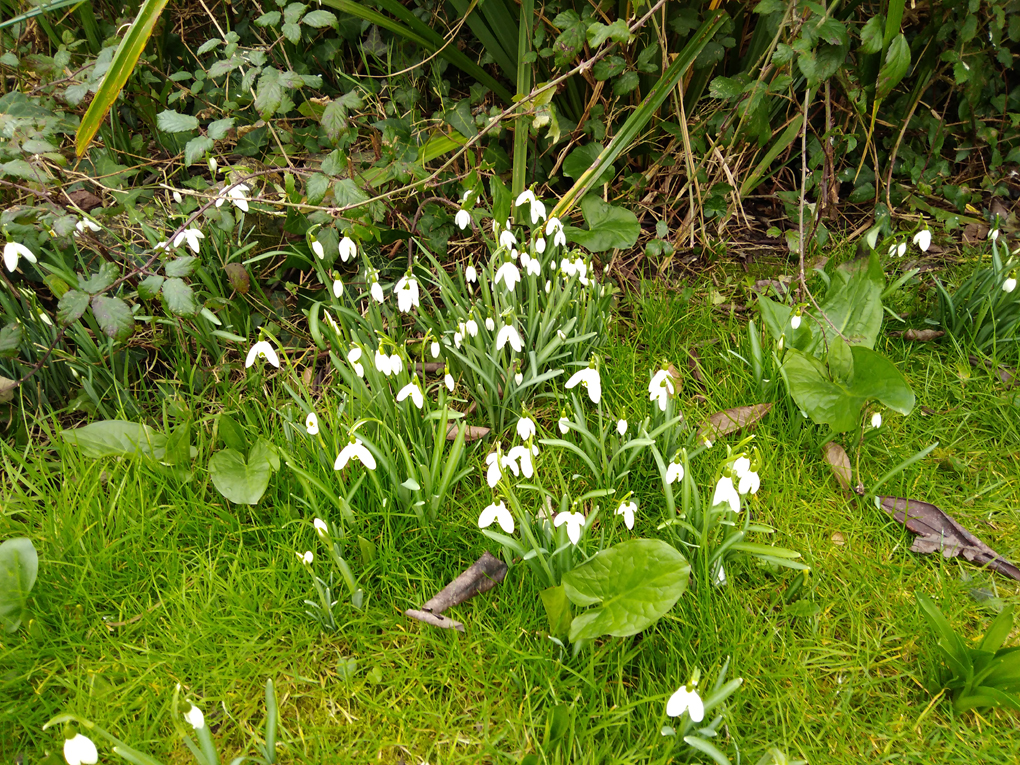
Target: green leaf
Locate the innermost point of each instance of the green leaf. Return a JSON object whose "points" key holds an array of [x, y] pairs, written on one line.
{"points": [[625, 84], [557, 610], [170, 121], [461, 119], [631, 585], [218, 130], [610, 66], [840, 362], [232, 434], [101, 279], [853, 304], [583, 157], [998, 631], [270, 19], [72, 305], [114, 317], [319, 19], [316, 187], [706, 747], [895, 66], [725, 87], [11, 337], [269, 93], [149, 287], [292, 13], [196, 148], [117, 438], [609, 226], [871, 35], [180, 267], [179, 297], [618, 31], [571, 39], [121, 66], [242, 481], [334, 119], [19, 566], [770, 6], [292, 32]]}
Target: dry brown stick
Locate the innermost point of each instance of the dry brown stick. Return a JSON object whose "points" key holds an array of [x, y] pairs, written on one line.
{"points": [[484, 574]]}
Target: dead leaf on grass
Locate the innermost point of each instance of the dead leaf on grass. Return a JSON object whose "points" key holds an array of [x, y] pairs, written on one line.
{"points": [[473, 433], [937, 531], [731, 420], [919, 335], [975, 233], [1005, 374], [694, 364], [836, 456], [838, 539]]}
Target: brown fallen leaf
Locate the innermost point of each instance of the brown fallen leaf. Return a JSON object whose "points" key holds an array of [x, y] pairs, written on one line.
{"points": [[975, 233], [835, 455], [430, 367], [939, 532], [484, 574], [919, 335], [86, 200], [838, 539], [1005, 374], [678, 380], [694, 364], [731, 420], [474, 432]]}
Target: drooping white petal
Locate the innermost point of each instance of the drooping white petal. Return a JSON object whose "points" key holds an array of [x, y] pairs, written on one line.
{"points": [[262, 349], [526, 428], [564, 425], [462, 219], [508, 334], [589, 377], [507, 239], [80, 751], [498, 513], [312, 424], [509, 274], [470, 275], [412, 390], [621, 427], [749, 482], [627, 510], [726, 494], [195, 717], [923, 239], [354, 450], [348, 249], [575, 524], [674, 472], [13, 251], [876, 420], [377, 293]]}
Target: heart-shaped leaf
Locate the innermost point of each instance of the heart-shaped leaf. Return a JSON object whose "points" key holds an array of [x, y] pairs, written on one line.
{"points": [[19, 565], [243, 481]]}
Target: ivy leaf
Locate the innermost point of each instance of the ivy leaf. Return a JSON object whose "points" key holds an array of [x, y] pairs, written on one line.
{"points": [[114, 317], [269, 93], [10, 339], [179, 297], [170, 121], [196, 148], [72, 305]]}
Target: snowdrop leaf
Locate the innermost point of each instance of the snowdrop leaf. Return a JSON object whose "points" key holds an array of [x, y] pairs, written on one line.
{"points": [[631, 585], [609, 227], [117, 438], [706, 747], [114, 317], [19, 565], [243, 481], [731, 420]]}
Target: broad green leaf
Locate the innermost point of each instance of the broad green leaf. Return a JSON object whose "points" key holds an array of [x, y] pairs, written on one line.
{"points": [[181, 267], [618, 31], [626, 83], [114, 317], [583, 157], [170, 121], [571, 40], [609, 226], [117, 438], [840, 362], [631, 585], [998, 630], [610, 66], [243, 481], [218, 130], [895, 66], [121, 66], [149, 287], [557, 610], [196, 148], [461, 119], [19, 566], [871, 35], [292, 13], [269, 93], [105, 276], [707, 747], [11, 337], [319, 19], [270, 19], [71, 306], [232, 434], [179, 297], [853, 304], [292, 32], [316, 187]]}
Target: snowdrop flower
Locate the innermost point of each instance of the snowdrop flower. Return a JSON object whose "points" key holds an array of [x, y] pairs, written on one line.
{"points": [[507, 239], [12, 252], [321, 528], [507, 334], [627, 510], [338, 286], [458, 338], [377, 293], [621, 427], [522, 455], [316, 246], [353, 355], [901, 250], [489, 325], [994, 235], [307, 558], [537, 211], [749, 481], [80, 751], [686, 701], [720, 576], [406, 291], [178, 198], [589, 378], [262, 349], [213, 165], [497, 513], [412, 389], [509, 273], [237, 194], [470, 275], [448, 380], [554, 228], [876, 420], [396, 363], [382, 363], [661, 388], [312, 424], [575, 523], [470, 328], [540, 245], [518, 378], [194, 715], [726, 494], [564, 425], [526, 428], [434, 349], [356, 450], [1010, 284], [533, 267], [923, 239], [85, 223], [462, 219], [795, 320], [495, 470], [674, 471], [548, 287], [348, 249], [191, 236]]}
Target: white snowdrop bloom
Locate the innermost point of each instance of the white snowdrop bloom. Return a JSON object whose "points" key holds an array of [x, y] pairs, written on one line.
{"points": [[434, 349], [353, 357], [80, 751], [507, 239], [674, 472], [413, 390], [554, 228], [518, 378], [525, 259], [627, 510], [458, 338], [994, 235], [540, 245], [726, 494], [466, 195], [321, 528], [262, 349], [581, 269], [661, 388], [495, 469], [575, 524], [508, 334], [338, 288], [876, 420], [495, 227], [190, 235], [354, 450], [589, 378], [533, 267], [537, 211], [489, 325], [749, 482], [213, 165], [524, 197], [509, 274], [567, 267], [237, 195], [564, 425], [312, 424], [377, 293], [686, 701], [449, 382], [348, 249], [178, 198], [1009, 285], [499, 514], [923, 239], [406, 291], [901, 250], [462, 219], [470, 275], [382, 363], [84, 224], [396, 363], [621, 427], [548, 287], [526, 428], [194, 715], [720, 576], [522, 454], [45, 319], [471, 327], [795, 320], [307, 558]]}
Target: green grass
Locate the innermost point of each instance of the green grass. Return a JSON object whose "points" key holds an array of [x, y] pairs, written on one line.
{"points": [[147, 581]]}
